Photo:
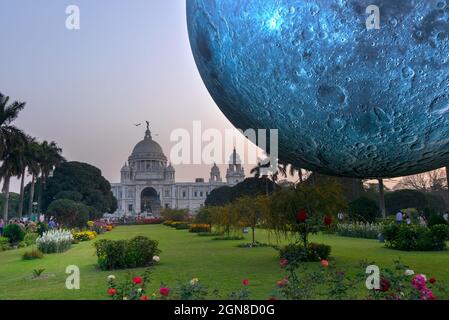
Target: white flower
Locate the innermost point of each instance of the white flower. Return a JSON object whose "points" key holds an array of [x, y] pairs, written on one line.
{"points": [[139, 290], [125, 298], [194, 281], [111, 277], [409, 272], [156, 259]]}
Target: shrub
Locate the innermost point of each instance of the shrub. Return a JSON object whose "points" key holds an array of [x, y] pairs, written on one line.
{"points": [[149, 221], [41, 228], [55, 241], [419, 238], [229, 238], [33, 254], [69, 213], [359, 230], [30, 238], [436, 219], [121, 254], [85, 235], [182, 226], [296, 253], [14, 233], [4, 244], [364, 208], [197, 228]]}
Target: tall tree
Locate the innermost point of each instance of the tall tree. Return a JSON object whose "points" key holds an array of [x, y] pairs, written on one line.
{"points": [[34, 168], [30, 163], [51, 156], [12, 142], [382, 198]]}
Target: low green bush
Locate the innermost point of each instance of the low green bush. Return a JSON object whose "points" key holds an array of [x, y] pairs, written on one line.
{"points": [[416, 238], [122, 254], [229, 238], [30, 238], [14, 233], [296, 253], [436, 219], [182, 226], [33, 254], [4, 244]]}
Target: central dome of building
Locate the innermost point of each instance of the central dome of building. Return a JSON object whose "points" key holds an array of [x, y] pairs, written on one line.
{"points": [[147, 149]]}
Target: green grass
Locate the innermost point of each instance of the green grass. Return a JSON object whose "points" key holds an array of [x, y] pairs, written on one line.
{"points": [[218, 264]]}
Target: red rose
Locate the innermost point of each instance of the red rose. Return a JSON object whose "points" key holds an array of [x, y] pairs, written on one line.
{"points": [[164, 291], [384, 284], [137, 280], [302, 215], [143, 298], [327, 220], [245, 282], [112, 292], [273, 298], [432, 280]]}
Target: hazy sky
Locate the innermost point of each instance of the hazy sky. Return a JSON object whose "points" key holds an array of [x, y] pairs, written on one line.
{"points": [[130, 62]]}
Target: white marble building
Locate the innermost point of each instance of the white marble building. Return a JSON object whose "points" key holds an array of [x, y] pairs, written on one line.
{"points": [[148, 184]]}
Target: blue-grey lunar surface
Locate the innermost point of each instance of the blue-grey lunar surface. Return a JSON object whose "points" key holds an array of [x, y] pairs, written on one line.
{"points": [[347, 100]]}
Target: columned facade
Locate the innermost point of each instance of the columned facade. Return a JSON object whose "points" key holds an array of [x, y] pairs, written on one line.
{"points": [[147, 184]]}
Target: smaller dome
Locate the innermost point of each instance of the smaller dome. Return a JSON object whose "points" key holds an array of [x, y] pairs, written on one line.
{"points": [[170, 168], [125, 168]]}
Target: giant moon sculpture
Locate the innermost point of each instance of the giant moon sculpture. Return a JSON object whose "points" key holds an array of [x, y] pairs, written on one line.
{"points": [[347, 100]]}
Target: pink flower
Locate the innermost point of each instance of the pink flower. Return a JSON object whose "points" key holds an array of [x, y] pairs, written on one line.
{"points": [[419, 282], [283, 263], [143, 298], [164, 291], [282, 283], [245, 282], [325, 263]]}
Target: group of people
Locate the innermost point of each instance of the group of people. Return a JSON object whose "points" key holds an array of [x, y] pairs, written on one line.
{"points": [[402, 217], [24, 222]]}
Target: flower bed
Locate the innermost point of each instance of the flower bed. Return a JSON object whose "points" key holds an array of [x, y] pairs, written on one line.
{"points": [[55, 241], [359, 230], [85, 235], [149, 221], [197, 228]]}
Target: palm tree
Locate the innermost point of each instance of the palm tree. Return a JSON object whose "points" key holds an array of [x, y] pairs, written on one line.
{"points": [[12, 142], [9, 134], [50, 158], [29, 163], [34, 170], [382, 198]]}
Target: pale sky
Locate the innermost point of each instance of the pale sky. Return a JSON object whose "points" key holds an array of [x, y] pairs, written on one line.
{"points": [[129, 62]]}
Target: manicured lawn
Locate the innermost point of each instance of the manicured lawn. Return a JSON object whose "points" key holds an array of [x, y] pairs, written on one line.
{"points": [[218, 264]]}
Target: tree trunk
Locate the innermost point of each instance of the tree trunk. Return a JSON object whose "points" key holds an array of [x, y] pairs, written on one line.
{"points": [[254, 236], [22, 187], [39, 195], [300, 175], [6, 193], [382, 198], [30, 204]]}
